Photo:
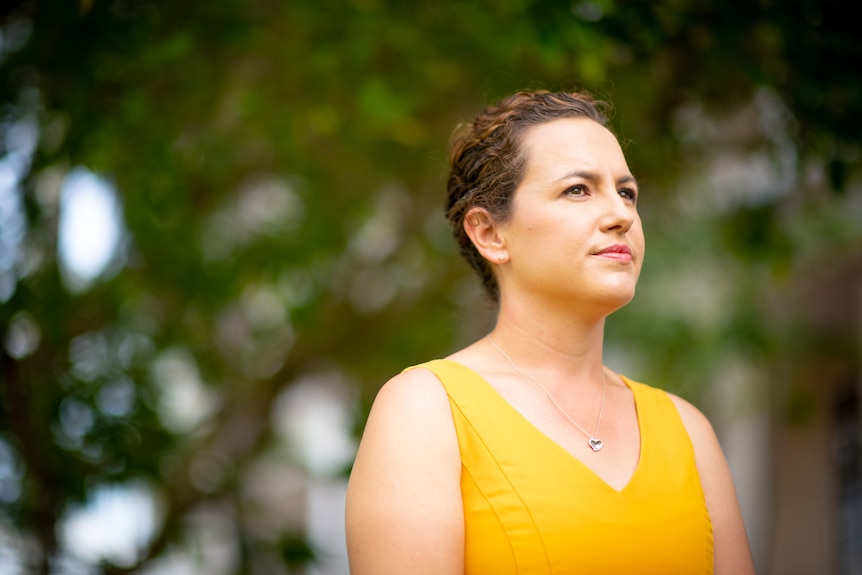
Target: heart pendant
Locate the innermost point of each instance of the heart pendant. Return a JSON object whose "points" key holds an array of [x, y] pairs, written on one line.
{"points": [[595, 444]]}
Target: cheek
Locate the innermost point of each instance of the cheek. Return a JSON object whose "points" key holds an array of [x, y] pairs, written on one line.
{"points": [[638, 242], [637, 235]]}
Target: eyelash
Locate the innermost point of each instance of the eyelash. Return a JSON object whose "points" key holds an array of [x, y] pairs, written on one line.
{"points": [[632, 193], [628, 193], [574, 190]]}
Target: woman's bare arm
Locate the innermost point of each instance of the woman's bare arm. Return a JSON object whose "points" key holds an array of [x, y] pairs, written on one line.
{"points": [[732, 552], [404, 509]]}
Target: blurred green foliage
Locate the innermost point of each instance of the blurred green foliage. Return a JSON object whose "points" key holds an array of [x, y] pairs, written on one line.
{"points": [[281, 168]]}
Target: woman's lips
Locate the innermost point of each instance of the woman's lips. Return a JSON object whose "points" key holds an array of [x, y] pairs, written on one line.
{"points": [[617, 252]]}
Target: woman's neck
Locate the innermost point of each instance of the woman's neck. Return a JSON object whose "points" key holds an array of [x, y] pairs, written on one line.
{"points": [[562, 345]]}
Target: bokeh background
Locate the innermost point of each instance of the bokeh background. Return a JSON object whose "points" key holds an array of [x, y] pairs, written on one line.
{"points": [[221, 231]]}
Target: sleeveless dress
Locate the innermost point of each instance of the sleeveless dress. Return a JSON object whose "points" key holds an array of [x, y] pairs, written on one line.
{"points": [[532, 508]]}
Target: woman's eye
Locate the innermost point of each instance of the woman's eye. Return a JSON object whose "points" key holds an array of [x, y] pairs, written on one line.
{"points": [[577, 190], [629, 194]]}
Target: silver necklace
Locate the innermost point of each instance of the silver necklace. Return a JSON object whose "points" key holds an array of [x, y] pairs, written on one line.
{"points": [[594, 442]]}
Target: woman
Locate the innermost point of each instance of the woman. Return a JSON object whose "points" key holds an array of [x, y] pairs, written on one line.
{"points": [[522, 453]]}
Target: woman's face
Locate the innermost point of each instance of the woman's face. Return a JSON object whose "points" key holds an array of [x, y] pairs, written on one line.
{"points": [[574, 235]]}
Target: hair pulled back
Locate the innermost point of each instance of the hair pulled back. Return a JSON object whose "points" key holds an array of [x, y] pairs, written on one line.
{"points": [[487, 164]]}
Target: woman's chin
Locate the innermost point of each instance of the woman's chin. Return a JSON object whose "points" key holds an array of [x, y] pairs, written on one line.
{"points": [[612, 300]]}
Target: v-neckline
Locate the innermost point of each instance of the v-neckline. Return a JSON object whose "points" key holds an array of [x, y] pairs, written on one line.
{"points": [[565, 452]]}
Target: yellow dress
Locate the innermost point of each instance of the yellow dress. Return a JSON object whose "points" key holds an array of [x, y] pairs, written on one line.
{"points": [[532, 508]]}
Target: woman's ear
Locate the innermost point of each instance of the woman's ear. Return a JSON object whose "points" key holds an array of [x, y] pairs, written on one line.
{"points": [[485, 235]]}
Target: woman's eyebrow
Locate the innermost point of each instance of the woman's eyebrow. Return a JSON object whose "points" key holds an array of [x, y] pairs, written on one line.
{"points": [[627, 180], [592, 177], [584, 175]]}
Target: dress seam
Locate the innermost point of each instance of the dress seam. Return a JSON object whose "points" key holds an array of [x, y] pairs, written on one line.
{"points": [[494, 510], [524, 507]]}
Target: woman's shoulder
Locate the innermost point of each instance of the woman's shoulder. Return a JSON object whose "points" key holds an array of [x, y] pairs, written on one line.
{"points": [[409, 428], [414, 403], [696, 423], [687, 411], [415, 389], [407, 457]]}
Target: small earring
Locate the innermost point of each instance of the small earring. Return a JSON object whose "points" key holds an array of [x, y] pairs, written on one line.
{"points": [[501, 257]]}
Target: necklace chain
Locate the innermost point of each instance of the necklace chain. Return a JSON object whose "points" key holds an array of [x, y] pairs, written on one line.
{"points": [[594, 442]]}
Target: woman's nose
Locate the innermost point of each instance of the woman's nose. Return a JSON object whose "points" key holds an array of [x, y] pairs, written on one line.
{"points": [[619, 214]]}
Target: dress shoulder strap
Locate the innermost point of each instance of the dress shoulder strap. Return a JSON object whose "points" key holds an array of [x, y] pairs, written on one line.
{"points": [[459, 381]]}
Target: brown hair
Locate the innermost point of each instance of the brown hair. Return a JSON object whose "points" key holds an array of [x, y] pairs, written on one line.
{"points": [[487, 163]]}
